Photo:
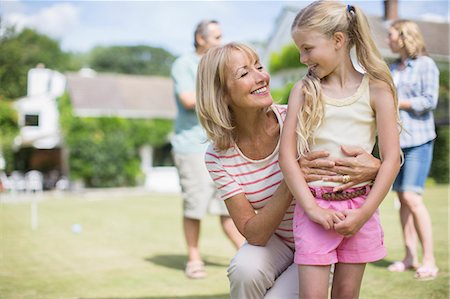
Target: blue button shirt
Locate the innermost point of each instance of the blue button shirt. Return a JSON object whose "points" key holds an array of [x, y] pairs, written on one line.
{"points": [[418, 82]]}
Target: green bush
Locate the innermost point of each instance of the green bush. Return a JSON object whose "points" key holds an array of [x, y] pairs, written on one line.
{"points": [[439, 168], [281, 95], [287, 58], [104, 151], [9, 129]]}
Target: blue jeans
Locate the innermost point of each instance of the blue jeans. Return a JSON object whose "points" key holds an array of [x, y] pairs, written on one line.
{"points": [[415, 169]]}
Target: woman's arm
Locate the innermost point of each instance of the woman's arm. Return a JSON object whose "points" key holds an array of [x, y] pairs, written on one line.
{"points": [[389, 143], [258, 227], [429, 89]]}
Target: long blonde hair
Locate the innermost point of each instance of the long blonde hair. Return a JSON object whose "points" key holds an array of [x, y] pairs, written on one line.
{"points": [[412, 38], [212, 107], [329, 17]]}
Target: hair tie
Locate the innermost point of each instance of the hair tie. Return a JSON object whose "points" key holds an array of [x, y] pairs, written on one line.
{"points": [[350, 9]]}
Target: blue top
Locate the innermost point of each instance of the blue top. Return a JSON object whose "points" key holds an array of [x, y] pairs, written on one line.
{"points": [[418, 82], [189, 137]]}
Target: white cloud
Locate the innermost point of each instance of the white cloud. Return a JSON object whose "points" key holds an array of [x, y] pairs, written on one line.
{"points": [[54, 20]]}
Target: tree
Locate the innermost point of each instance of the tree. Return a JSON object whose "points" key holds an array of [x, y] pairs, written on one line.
{"points": [[138, 60], [21, 51], [8, 130], [287, 58]]}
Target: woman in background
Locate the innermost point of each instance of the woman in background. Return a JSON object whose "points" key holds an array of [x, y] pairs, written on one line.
{"points": [[417, 80]]}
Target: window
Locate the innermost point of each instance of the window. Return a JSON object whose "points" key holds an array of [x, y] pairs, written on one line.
{"points": [[32, 120]]}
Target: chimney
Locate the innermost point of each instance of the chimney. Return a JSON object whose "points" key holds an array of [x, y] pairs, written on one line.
{"points": [[390, 10]]}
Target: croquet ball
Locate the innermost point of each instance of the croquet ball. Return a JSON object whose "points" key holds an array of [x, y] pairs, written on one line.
{"points": [[76, 228]]}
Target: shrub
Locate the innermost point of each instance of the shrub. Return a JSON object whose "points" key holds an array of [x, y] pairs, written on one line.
{"points": [[439, 168], [104, 151], [287, 58], [8, 131]]}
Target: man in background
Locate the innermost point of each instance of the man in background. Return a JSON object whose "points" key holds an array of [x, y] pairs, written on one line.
{"points": [[188, 148]]}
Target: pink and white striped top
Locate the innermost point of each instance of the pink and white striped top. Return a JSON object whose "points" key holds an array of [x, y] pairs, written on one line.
{"points": [[234, 173]]}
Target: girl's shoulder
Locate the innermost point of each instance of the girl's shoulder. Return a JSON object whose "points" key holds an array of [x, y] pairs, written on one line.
{"points": [[379, 91], [378, 85], [297, 91]]}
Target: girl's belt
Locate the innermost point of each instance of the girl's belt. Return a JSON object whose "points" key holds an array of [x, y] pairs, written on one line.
{"points": [[321, 193]]}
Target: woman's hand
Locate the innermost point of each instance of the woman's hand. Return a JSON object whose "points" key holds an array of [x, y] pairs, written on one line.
{"points": [[316, 165], [360, 166]]}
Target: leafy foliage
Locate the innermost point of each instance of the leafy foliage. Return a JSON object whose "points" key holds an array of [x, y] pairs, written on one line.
{"points": [[22, 51], [287, 58], [8, 130], [281, 95], [139, 60], [441, 114], [104, 152], [440, 168]]}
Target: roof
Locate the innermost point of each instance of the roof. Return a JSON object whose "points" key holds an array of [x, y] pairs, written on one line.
{"points": [[127, 96]]}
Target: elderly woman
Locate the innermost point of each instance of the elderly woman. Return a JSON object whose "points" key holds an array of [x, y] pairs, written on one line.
{"points": [[236, 109]]}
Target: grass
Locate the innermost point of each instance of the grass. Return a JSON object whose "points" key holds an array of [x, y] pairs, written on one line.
{"points": [[131, 246]]}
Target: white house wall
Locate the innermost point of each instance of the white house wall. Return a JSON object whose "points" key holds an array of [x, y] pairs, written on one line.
{"points": [[45, 81], [46, 134]]}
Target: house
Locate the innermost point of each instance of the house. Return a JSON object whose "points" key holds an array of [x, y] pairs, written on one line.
{"points": [[39, 144], [436, 37], [39, 122]]}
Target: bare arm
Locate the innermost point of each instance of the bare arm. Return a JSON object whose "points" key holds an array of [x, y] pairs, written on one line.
{"points": [[258, 227], [187, 99]]}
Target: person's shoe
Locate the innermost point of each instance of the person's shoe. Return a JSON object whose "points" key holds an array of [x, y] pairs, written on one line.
{"points": [[195, 270], [426, 273], [400, 266]]}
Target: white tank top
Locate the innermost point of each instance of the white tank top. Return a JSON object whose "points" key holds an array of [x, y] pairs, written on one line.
{"points": [[347, 121]]}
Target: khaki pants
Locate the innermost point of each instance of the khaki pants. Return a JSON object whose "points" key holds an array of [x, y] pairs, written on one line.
{"points": [[264, 272]]}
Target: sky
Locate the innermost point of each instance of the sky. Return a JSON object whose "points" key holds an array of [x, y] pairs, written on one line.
{"points": [[81, 25]]}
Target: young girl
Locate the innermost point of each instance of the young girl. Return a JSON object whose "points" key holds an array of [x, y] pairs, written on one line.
{"points": [[333, 105]]}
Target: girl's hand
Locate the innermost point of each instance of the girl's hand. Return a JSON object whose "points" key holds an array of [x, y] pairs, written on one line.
{"points": [[360, 166], [325, 217], [315, 166], [354, 220]]}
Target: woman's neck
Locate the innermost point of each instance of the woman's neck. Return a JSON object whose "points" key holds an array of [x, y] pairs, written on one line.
{"points": [[257, 132]]}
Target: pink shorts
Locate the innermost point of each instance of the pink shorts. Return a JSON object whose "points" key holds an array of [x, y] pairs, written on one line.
{"points": [[316, 246]]}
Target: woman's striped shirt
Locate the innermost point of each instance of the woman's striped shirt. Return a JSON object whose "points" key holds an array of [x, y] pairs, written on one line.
{"points": [[234, 173]]}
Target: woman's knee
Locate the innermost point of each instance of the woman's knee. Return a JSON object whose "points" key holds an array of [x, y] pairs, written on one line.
{"points": [[244, 268], [411, 200]]}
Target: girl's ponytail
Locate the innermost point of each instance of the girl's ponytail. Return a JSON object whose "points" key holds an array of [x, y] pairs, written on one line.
{"points": [[366, 51]]}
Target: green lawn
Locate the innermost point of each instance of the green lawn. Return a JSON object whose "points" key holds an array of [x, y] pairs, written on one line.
{"points": [[131, 246]]}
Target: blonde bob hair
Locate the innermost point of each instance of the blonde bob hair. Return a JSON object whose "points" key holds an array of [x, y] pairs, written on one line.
{"points": [[411, 37], [328, 17], [212, 102]]}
